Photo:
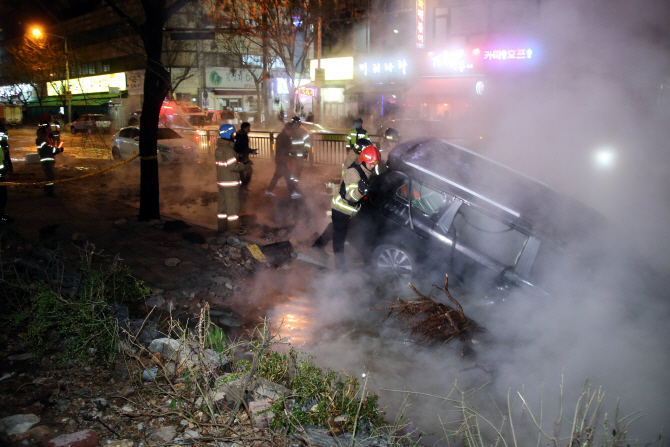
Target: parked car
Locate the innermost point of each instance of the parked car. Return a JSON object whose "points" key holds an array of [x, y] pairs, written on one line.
{"points": [[441, 208], [222, 117], [90, 121], [172, 147]]}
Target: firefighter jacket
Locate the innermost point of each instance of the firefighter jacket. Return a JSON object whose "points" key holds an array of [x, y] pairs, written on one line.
{"points": [[354, 135], [46, 151], [283, 148], [227, 167], [301, 142], [347, 198]]}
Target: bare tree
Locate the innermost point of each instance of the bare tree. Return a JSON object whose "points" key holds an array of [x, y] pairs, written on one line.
{"points": [[283, 28], [36, 62], [180, 60], [156, 87]]}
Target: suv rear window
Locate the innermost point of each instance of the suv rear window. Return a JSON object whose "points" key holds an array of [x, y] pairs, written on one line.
{"points": [[424, 198], [488, 235]]}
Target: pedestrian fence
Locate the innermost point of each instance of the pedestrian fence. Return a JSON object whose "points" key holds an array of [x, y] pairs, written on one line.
{"points": [[327, 149]]}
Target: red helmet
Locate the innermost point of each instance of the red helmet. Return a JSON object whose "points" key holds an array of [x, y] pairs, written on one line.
{"points": [[369, 154]]}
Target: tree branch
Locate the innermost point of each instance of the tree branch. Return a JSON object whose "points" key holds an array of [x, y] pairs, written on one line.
{"points": [[124, 16]]}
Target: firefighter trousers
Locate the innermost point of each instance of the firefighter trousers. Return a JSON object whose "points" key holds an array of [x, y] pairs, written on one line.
{"points": [[48, 168], [3, 198], [340, 227], [228, 211], [282, 170]]}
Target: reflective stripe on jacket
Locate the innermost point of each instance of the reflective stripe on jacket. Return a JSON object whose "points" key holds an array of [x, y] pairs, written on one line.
{"points": [[227, 167], [350, 178], [355, 135]]}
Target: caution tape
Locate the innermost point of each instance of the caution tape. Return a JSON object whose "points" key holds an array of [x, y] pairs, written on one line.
{"points": [[256, 252], [53, 182]]}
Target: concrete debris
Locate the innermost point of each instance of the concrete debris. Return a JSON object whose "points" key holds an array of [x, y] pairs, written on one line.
{"points": [[18, 424], [120, 443], [270, 390], [84, 438], [261, 420], [172, 262], [164, 434]]}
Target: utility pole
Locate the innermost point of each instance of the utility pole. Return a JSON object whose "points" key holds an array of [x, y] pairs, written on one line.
{"points": [[265, 73], [319, 86]]}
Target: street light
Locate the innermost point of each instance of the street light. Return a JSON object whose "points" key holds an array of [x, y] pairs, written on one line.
{"points": [[37, 33]]}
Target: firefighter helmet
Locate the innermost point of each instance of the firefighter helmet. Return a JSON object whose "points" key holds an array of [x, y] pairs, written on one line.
{"points": [[361, 144], [226, 131], [295, 119], [359, 120], [370, 154], [392, 134]]}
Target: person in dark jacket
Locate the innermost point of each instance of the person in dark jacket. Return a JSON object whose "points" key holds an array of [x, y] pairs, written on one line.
{"points": [[5, 167], [243, 151], [283, 156]]}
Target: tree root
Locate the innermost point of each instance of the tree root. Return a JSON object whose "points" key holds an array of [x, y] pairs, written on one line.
{"points": [[430, 321]]}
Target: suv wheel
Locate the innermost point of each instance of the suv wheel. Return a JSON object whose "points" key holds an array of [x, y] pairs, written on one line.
{"points": [[394, 262], [116, 154], [73, 130]]}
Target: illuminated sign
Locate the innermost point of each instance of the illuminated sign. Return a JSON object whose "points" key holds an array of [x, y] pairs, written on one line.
{"points": [[282, 85], [91, 84], [333, 94], [8, 91], [420, 23], [306, 91], [503, 55], [337, 68], [451, 60], [479, 87], [230, 79], [378, 68]]}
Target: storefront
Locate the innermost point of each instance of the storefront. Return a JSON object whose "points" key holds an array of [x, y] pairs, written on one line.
{"points": [[230, 89], [339, 75], [380, 86]]}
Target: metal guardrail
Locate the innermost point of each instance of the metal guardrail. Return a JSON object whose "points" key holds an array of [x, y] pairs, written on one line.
{"points": [[328, 149]]}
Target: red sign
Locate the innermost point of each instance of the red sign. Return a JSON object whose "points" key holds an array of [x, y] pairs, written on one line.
{"points": [[420, 23], [306, 91]]}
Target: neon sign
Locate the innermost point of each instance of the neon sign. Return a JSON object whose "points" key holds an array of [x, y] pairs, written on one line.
{"points": [[383, 67], [503, 55], [91, 84], [420, 23], [306, 91], [452, 60]]}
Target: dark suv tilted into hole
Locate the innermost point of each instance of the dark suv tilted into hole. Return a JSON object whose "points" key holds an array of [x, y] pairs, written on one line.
{"points": [[441, 209]]}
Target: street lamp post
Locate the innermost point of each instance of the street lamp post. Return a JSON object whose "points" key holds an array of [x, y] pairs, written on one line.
{"points": [[67, 93]]}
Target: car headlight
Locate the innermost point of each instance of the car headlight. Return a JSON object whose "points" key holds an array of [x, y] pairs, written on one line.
{"points": [[164, 149]]}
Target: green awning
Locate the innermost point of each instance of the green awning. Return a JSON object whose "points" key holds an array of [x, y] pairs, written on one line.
{"points": [[91, 99]]}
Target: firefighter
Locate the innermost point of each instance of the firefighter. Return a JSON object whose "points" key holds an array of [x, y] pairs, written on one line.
{"points": [[346, 201], [5, 167], [356, 134], [283, 157], [390, 139], [55, 132], [228, 170], [47, 152], [301, 146]]}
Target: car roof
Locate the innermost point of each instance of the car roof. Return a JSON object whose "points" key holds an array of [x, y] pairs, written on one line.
{"points": [[500, 190]]}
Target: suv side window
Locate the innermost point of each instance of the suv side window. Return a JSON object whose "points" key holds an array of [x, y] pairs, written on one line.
{"points": [[425, 198], [488, 235], [134, 132], [125, 133]]}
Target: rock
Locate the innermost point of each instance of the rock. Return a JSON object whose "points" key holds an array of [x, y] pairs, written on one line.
{"points": [[140, 426], [172, 262], [149, 375], [20, 357], [18, 424], [120, 443], [164, 434], [235, 242], [120, 222], [83, 392], [230, 322], [127, 409], [35, 434], [121, 373], [62, 404], [170, 348], [127, 391], [190, 434], [256, 407], [270, 390], [214, 359], [100, 403], [230, 286], [84, 438], [282, 232], [341, 418], [156, 301], [220, 279]]}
